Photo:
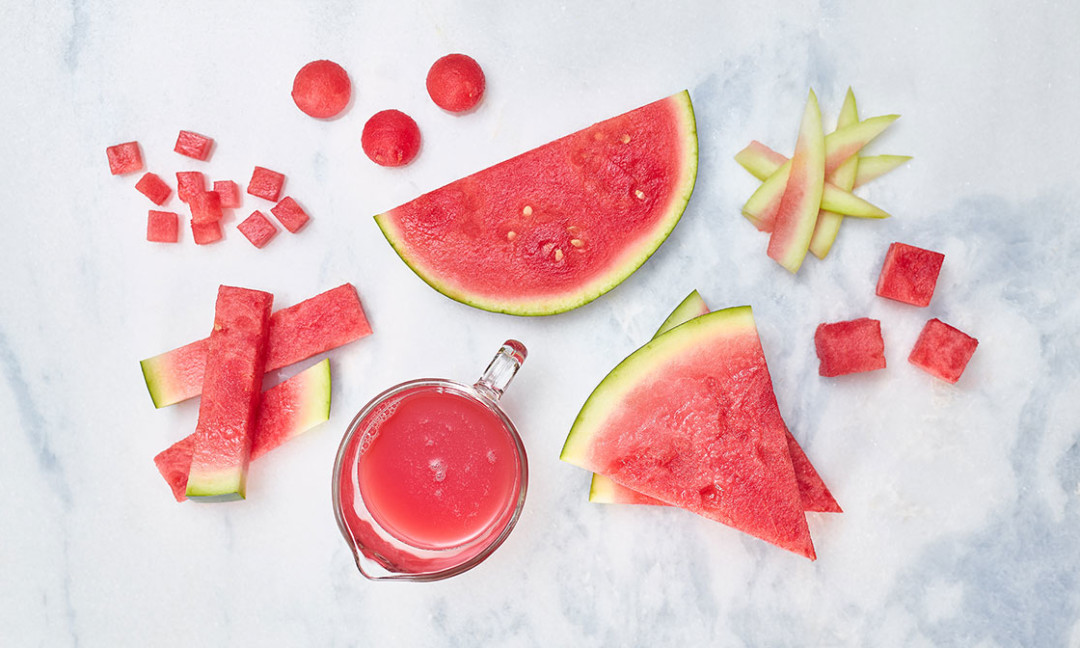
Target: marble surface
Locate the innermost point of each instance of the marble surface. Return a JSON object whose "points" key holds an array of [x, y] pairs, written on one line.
{"points": [[962, 502]]}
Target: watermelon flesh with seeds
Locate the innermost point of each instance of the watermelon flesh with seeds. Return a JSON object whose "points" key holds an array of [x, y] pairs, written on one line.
{"points": [[286, 410], [316, 325], [558, 226], [813, 492], [691, 419]]}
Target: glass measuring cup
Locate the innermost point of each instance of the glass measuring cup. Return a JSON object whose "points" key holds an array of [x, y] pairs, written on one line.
{"points": [[431, 475]]}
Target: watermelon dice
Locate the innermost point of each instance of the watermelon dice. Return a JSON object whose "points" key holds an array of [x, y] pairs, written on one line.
{"points": [[909, 274], [163, 227], [154, 188], [266, 184], [124, 158], [290, 214], [229, 192], [207, 232], [189, 183], [849, 347], [257, 228], [943, 351], [193, 145], [205, 207]]}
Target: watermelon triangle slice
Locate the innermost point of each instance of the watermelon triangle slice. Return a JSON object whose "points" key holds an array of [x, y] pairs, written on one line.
{"points": [[691, 419], [813, 492]]}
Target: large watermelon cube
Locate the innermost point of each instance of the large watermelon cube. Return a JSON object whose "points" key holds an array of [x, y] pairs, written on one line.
{"points": [[162, 227], [909, 274], [849, 347], [124, 158], [257, 228], [290, 214], [266, 184], [943, 351], [193, 145], [154, 188], [189, 183]]}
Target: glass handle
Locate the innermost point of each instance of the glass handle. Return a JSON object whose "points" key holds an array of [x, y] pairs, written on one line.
{"points": [[502, 369]]}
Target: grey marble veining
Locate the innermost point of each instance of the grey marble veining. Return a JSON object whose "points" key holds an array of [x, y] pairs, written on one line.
{"points": [[962, 502]]}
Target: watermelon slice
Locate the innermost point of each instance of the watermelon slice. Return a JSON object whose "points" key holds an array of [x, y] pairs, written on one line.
{"points": [[286, 410], [828, 222], [813, 492], [849, 347], [943, 351], [909, 274], [323, 322], [795, 218], [691, 419], [558, 226], [232, 385]]}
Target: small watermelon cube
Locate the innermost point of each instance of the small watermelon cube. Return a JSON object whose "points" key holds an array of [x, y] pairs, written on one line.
{"points": [[257, 228], [266, 184], [849, 347], [206, 233], [943, 351], [154, 188], [229, 192], [291, 215], [193, 145], [189, 183], [909, 274], [124, 158], [205, 207], [163, 227]]}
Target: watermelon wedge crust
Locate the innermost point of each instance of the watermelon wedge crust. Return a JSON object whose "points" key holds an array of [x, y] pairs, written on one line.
{"points": [[555, 227], [691, 419], [286, 410]]}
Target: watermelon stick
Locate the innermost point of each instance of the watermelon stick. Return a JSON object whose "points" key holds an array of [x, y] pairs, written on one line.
{"points": [[761, 161], [828, 222], [286, 410], [326, 321]]}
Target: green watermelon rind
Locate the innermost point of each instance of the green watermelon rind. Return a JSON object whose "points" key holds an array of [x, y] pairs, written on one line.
{"points": [[681, 196]]}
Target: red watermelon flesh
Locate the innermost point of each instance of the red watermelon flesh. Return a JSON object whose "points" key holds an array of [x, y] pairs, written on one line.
{"points": [[232, 385], [557, 226], [943, 351], [691, 419], [323, 322], [813, 492], [286, 410], [909, 274], [849, 347]]}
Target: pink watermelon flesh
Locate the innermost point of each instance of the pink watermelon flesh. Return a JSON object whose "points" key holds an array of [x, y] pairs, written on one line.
{"points": [[193, 145], [205, 233], [290, 214], [232, 385], [909, 274], [265, 183], [849, 347], [257, 228], [691, 419], [557, 226], [229, 193], [943, 351], [323, 322], [813, 492], [162, 227], [153, 187], [124, 158], [286, 410], [189, 183], [205, 207]]}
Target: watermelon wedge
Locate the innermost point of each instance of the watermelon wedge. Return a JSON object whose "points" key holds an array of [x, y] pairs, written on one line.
{"points": [[801, 202], [232, 384], [286, 410], [691, 419], [558, 226], [316, 325], [828, 222], [813, 492]]}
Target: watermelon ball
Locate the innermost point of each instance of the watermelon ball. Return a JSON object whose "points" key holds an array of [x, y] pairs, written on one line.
{"points": [[455, 83], [391, 138], [321, 89]]}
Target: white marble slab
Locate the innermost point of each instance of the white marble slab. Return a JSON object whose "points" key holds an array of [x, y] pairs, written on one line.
{"points": [[962, 503]]}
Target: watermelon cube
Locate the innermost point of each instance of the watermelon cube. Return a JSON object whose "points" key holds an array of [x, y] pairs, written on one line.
{"points": [[257, 228], [193, 145], [163, 227], [154, 188], [291, 215], [124, 158], [266, 184], [849, 347], [229, 192], [205, 207], [909, 274], [206, 233], [943, 351], [189, 183]]}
